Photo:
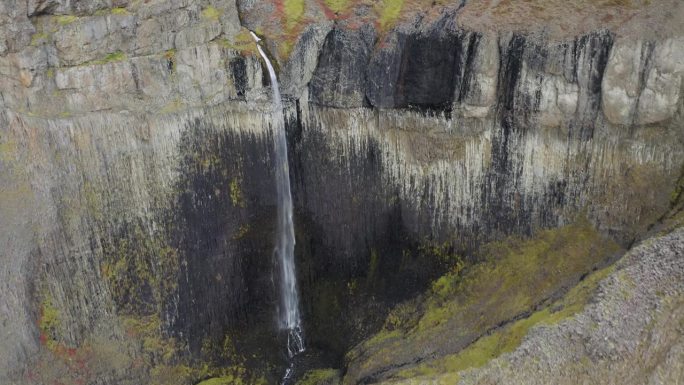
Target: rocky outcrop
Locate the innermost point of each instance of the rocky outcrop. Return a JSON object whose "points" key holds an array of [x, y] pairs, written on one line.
{"points": [[135, 158]]}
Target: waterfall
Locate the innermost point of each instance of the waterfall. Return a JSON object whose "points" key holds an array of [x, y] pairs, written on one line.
{"points": [[289, 317]]}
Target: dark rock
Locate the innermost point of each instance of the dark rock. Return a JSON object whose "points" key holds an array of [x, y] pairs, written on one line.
{"points": [[339, 79]]}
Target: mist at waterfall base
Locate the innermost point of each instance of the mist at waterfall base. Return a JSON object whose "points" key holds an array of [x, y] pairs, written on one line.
{"points": [[289, 317]]}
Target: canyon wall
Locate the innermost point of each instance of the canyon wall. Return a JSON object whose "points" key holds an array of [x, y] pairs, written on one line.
{"points": [[137, 183]]}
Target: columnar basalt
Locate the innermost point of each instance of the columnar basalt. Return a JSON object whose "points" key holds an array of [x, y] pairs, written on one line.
{"points": [[137, 197]]}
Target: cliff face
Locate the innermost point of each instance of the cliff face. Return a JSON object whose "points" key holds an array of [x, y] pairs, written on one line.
{"points": [[137, 200]]}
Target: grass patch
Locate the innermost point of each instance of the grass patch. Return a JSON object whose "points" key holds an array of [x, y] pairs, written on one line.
{"points": [[242, 42], [388, 12], [320, 376], [337, 5], [293, 11]]}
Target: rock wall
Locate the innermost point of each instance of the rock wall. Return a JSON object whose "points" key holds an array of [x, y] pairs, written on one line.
{"points": [[135, 163]]}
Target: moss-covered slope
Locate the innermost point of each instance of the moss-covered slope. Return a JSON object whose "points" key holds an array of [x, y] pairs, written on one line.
{"points": [[500, 297]]}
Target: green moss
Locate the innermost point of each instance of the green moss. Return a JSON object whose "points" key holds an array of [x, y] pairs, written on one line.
{"points": [[211, 13], [383, 336], [93, 202], [49, 322], [320, 377], [242, 42], [293, 12], [167, 366], [519, 273], [678, 192], [228, 380], [373, 265], [141, 270], [65, 19], [389, 11], [516, 276], [39, 38], [508, 338], [241, 232], [119, 11], [337, 5], [111, 57], [403, 316], [285, 47], [442, 254], [236, 195]]}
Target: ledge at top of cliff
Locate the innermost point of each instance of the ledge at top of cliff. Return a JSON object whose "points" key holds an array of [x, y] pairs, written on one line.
{"points": [[285, 20], [61, 58]]}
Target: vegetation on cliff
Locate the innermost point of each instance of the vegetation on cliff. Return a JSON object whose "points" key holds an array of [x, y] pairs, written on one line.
{"points": [[513, 288]]}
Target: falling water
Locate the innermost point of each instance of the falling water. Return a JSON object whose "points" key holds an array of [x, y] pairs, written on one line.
{"points": [[289, 318]]}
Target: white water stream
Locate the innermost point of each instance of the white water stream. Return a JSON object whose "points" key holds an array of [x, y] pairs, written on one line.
{"points": [[289, 316]]}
